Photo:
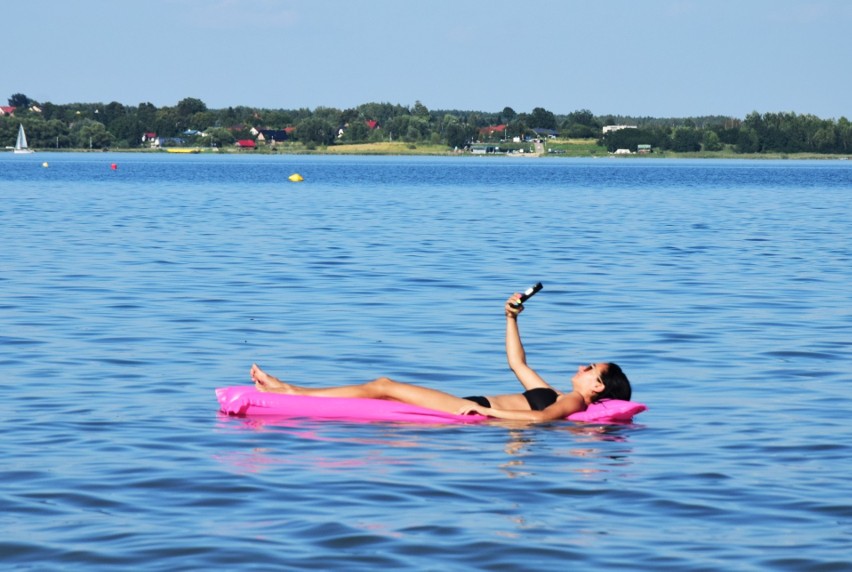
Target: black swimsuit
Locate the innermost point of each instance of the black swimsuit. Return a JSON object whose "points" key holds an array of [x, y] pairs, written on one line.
{"points": [[479, 400], [538, 398]]}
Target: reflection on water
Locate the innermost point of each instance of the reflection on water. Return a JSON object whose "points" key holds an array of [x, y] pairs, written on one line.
{"points": [[523, 442], [520, 441]]}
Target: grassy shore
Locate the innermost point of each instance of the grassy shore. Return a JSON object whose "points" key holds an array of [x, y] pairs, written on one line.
{"points": [[553, 148], [386, 148]]}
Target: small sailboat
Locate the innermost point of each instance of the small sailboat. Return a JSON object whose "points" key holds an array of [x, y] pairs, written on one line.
{"points": [[21, 143]]}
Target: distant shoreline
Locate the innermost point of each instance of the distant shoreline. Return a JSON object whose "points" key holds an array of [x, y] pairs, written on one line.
{"points": [[405, 149]]}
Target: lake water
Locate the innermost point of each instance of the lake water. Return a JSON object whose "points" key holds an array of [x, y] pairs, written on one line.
{"points": [[127, 295]]}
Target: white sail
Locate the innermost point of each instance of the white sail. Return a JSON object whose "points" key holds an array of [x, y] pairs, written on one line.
{"points": [[21, 143]]}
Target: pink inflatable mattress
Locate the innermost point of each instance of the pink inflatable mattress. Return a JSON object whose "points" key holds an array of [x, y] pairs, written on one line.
{"points": [[248, 401]]}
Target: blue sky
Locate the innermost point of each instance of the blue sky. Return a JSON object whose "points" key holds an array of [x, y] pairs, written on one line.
{"points": [[659, 58]]}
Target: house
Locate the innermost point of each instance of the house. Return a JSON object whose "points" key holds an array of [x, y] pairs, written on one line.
{"points": [[168, 141], [490, 131], [644, 149], [149, 138], [483, 149], [246, 144], [371, 124], [7, 110], [608, 128], [546, 133], [272, 136]]}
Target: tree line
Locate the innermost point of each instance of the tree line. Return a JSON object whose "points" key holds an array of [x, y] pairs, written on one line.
{"points": [[757, 133], [114, 125]]}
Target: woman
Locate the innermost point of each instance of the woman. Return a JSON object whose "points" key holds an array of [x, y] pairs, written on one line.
{"points": [[539, 401]]}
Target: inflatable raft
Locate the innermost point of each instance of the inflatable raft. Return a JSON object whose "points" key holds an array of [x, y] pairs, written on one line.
{"points": [[247, 401]]}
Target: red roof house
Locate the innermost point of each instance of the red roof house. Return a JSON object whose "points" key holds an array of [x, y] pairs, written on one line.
{"points": [[491, 130]]}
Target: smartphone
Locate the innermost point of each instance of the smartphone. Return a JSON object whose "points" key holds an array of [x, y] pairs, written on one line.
{"points": [[528, 293]]}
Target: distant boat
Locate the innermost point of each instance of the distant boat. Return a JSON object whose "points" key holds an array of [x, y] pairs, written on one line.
{"points": [[21, 143], [181, 150]]}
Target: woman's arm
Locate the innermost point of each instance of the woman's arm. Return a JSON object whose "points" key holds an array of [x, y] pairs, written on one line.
{"points": [[515, 353], [564, 406]]}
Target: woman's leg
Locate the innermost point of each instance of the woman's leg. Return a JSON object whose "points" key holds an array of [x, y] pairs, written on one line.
{"points": [[381, 388]]}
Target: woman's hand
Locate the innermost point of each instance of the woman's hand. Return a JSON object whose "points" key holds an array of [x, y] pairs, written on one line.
{"points": [[473, 409], [513, 311]]}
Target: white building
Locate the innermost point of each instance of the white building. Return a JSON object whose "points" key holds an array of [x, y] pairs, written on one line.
{"points": [[608, 128]]}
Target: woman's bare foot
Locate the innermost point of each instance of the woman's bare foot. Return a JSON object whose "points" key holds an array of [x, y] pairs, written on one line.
{"points": [[265, 382]]}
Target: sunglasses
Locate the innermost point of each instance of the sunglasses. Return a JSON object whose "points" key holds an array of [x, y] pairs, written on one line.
{"points": [[591, 367]]}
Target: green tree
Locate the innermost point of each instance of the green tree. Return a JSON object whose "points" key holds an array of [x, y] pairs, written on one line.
{"points": [[582, 117], [458, 135], [748, 141], [377, 135], [356, 131], [575, 130], [279, 119], [685, 140], [127, 131], [167, 122], [220, 137], [20, 101], [146, 113], [728, 135], [580, 124], [397, 128], [111, 112], [844, 135], [350, 115], [542, 119], [190, 106], [825, 140], [711, 141], [420, 111], [315, 131], [90, 134], [329, 114], [8, 131], [418, 129], [53, 134], [517, 127], [632, 138], [50, 111], [202, 120]]}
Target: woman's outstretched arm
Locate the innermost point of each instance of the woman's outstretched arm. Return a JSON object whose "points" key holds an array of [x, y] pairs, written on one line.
{"points": [[515, 353]]}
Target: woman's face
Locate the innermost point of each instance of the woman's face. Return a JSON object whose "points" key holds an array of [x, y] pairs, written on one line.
{"points": [[587, 380]]}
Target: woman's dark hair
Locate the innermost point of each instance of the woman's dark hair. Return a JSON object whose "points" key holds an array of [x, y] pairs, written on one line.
{"points": [[616, 384]]}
